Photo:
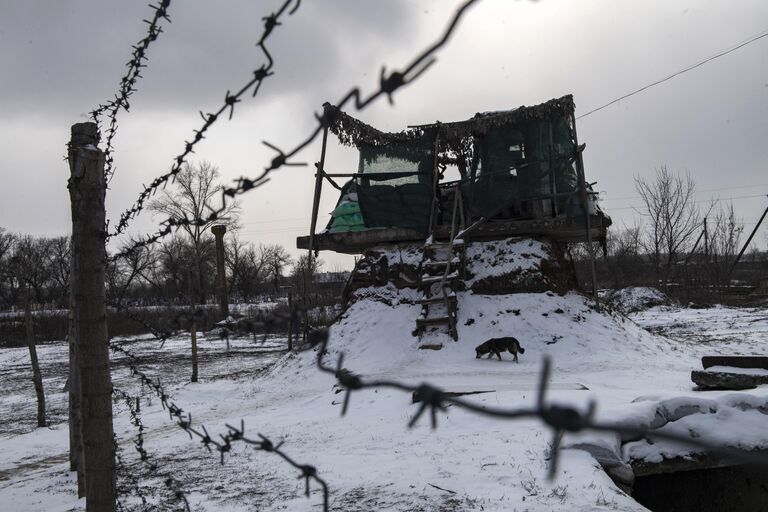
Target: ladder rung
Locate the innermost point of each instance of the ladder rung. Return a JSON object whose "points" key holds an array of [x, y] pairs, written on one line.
{"points": [[433, 321], [439, 299], [443, 245], [436, 279], [443, 263]]}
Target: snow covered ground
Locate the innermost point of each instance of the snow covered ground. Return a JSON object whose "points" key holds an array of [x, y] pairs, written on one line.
{"points": [[369, 458]]}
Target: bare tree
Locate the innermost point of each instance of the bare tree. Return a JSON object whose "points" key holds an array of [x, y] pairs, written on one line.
{"points": [[673, 218], [60, 254], [625, 252], [32, 264], [196, 195], [724, 242], [248, 265], [7, 275], [278, 260], [128, 270]]}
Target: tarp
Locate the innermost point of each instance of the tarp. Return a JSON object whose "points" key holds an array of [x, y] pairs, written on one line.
{"points": [[395, 185]]}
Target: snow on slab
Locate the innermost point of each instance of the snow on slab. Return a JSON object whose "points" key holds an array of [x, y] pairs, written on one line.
{"points": [[734, 369], [728, 427]]}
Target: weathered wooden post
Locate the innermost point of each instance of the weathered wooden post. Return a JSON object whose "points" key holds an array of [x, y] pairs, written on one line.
{"points": [[221, 275], [290, 320], [86, 191], [73, 390], [193, 328], [37, 378]]}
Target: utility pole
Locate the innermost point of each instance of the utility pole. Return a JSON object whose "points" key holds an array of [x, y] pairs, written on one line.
{"points": [[87, 187], [221, 276]]}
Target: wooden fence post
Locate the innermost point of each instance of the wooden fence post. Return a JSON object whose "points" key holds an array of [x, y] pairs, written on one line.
{"points": [[290, 320], [193, 327], [75, 430], [86, 191], [37, 378]]}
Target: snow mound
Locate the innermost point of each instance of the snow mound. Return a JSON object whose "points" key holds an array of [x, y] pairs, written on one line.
{"points": [[735, 420], [637, 298]]}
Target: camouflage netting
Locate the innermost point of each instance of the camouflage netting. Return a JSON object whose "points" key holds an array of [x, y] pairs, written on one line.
{"points": [[512, 163]]}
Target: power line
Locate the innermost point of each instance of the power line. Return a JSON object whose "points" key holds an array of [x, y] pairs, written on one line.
{"points": [[634, 207], [625, 198], [684, 70]]}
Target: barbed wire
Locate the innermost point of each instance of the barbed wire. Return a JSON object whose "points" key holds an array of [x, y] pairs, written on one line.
{"points": [[559, 418], [128, 82], [389, 83], [261, 73], [121, 468], [173, 485], [221, 443]]}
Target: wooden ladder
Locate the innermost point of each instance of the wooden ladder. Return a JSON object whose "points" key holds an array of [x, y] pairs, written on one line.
{"points": [[441, 272]]}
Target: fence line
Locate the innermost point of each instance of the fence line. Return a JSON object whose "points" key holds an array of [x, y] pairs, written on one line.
{"points": [[261, 73], [389, 82], [171, 483], [558, 418], [128, 82], [233, 434]]}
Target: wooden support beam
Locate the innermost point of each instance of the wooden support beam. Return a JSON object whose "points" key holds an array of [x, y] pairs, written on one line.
{"points": [[318, 190]]}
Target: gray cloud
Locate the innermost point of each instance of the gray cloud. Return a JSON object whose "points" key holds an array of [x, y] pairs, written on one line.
{"points": [[59, 59]]}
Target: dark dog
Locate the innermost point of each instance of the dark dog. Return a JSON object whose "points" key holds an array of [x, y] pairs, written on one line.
{"points": [[498, 345]]}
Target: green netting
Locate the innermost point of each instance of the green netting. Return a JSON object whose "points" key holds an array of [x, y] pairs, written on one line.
{"points": [[395, 189], [518, 170]]}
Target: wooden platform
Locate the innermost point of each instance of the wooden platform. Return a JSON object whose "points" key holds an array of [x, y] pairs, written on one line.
{"points": [[567, 229]]}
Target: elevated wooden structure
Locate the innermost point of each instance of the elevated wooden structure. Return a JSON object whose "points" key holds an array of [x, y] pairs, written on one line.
{"points": [[521, 174]]}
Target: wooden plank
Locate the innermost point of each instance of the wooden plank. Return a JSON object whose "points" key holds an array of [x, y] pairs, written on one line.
{"points": [[432, 321], [737, 361], [558, 228], [439, 299], [722, 380], [416, 396]]}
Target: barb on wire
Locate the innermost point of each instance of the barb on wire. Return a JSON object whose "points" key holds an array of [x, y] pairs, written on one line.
{"points": [[128, 82], [221, 443], [132, 481], [389, 83], [171, 483], [271, 21], [560, 418]]}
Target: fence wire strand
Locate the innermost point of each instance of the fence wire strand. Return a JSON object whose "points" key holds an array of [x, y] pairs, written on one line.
{"points": [[433, 400], [221, 443], [227, 107], [128, 82], [172, 484], [389, 83]]}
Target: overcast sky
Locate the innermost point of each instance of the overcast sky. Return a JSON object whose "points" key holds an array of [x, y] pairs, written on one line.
{"points": [[58, 60]]}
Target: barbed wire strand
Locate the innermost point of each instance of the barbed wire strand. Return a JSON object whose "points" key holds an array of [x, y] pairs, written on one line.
{"points": [[261, 73], [559, 418], [128, 82], [173, 484], [389, 83], [222, 443]]}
